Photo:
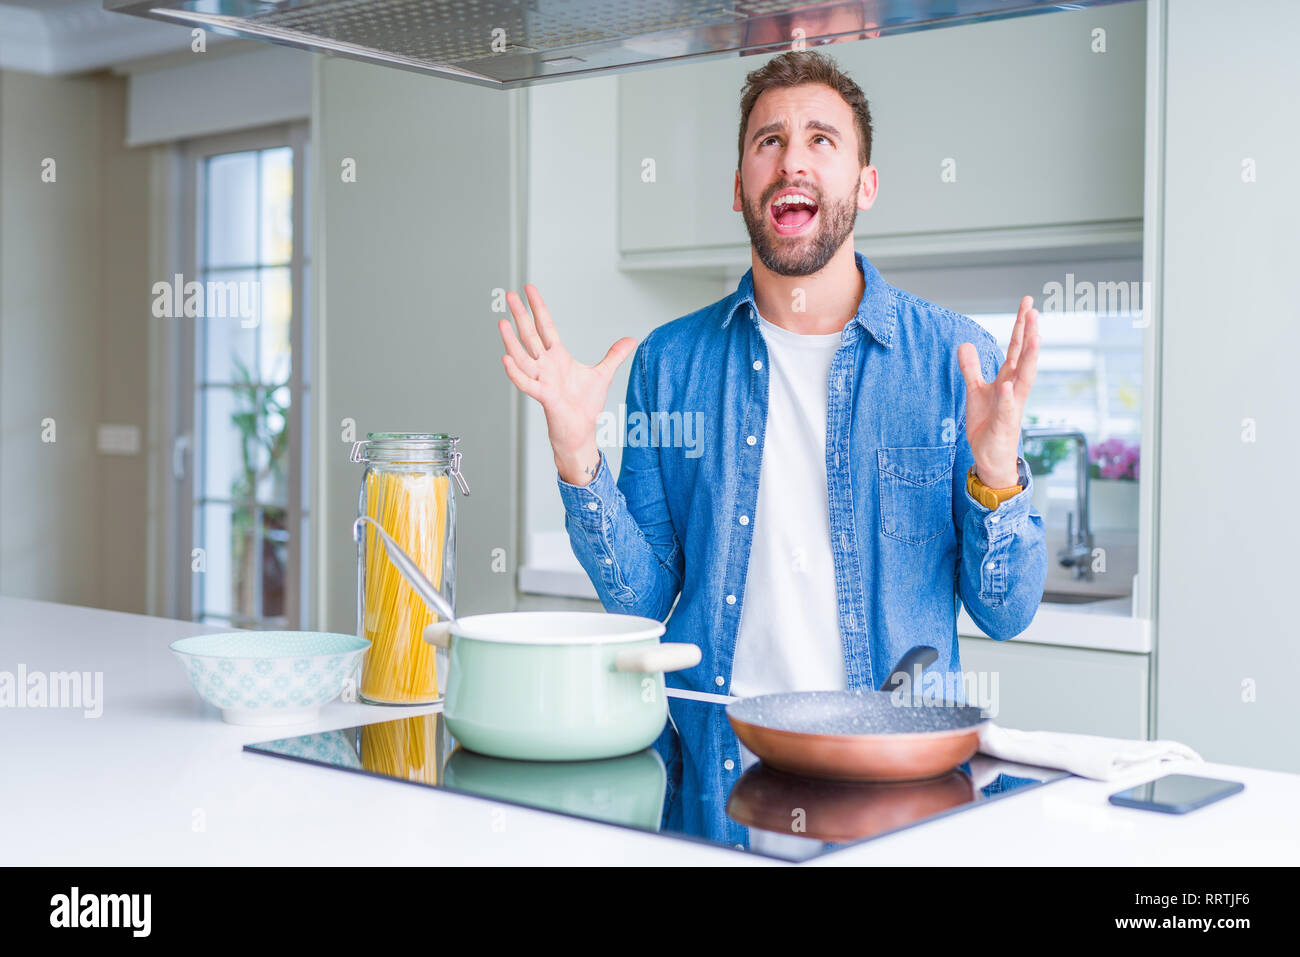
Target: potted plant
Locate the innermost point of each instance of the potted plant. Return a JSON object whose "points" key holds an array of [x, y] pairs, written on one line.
{"points": [[1113, 484], [263, 425], [1043, 455]]}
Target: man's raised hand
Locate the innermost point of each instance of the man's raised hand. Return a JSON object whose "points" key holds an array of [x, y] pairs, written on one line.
{"points": [[994, 409], [571, 394]]}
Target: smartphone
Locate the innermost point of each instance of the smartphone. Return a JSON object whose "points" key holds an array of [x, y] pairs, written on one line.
{"points": [[1176, 793]]}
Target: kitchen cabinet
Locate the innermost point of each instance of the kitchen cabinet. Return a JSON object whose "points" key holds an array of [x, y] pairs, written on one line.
{"points": [[1040, 129], [1052, 688], [1224, 235], [677, 155]]}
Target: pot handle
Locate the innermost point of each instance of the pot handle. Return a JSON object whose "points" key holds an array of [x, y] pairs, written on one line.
{"points": [[438, 634], [669, 656]]}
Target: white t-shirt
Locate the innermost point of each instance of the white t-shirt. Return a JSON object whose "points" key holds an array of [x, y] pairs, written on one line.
{"points": [[789, 636]]}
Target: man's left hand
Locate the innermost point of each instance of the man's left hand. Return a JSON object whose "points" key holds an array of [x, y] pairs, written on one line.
{"points": [[993, 409]]}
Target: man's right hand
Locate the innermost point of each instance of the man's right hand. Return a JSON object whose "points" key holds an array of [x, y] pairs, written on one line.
{"points": [[571, 394]]}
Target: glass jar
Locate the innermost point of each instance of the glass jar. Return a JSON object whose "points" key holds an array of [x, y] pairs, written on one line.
{"points": [[406, 489]]}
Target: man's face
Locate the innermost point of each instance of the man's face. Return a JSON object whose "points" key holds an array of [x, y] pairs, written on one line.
{"points": [[801, 142]]}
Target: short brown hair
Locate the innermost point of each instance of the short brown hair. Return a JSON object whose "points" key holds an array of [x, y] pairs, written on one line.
{"points": [[806, 66]]}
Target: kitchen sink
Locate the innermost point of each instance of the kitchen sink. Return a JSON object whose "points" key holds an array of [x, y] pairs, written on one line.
{"points": [[1074, 598], [1078, 598]]}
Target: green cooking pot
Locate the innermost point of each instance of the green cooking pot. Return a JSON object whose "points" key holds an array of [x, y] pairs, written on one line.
{"points": [[557, 686]]}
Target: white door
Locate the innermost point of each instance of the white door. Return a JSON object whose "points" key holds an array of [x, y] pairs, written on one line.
{"points": [[240, 455]]}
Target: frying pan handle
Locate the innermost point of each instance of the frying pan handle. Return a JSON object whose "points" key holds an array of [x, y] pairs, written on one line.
{"points": [[438, 634], [669, 656], [921, 656]]}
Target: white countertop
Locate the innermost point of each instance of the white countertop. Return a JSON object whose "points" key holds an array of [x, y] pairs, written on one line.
{"points": [[128, 787], [1107, 625]]}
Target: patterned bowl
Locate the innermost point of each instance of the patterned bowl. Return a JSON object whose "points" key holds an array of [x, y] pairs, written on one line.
{"points": [[270, 677]]}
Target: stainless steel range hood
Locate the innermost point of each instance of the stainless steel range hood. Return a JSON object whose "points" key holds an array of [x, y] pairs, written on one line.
{"points": [[507, 43]]}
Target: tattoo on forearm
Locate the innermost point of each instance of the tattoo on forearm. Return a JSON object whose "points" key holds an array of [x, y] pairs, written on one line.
{"points": [[591, 469]]}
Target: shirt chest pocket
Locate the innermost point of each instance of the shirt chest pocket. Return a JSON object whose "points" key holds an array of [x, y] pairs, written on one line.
{"points": [[916, 492]]}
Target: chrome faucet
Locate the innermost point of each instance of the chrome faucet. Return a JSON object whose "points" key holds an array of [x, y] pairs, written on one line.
{"points": [[1077, 552]]}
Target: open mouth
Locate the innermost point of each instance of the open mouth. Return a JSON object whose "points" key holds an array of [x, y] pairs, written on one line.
{"points": [[792, 212]]}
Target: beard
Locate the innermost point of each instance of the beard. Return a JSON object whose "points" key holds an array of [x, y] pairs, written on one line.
{"points": [[800, 255]]}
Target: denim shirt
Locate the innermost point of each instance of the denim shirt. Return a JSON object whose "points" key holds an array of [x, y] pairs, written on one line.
{"points": [[908, 541]]}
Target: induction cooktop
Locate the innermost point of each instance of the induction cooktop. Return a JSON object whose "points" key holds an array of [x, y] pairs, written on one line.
{"points": [[766, 812]]}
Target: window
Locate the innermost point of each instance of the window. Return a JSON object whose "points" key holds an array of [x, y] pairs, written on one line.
{"points": [[249, 390], [1090, 367], [1089, 371], [1089, 380]]}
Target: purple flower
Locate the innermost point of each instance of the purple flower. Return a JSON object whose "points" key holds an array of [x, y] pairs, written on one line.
{"points": [[1115, 459]]}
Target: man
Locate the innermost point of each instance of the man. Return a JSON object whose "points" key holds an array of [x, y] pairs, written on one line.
{"points": [[859, 469]]}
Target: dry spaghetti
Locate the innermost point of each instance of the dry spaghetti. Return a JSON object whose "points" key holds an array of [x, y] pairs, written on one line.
{"points": [[412, 507]]}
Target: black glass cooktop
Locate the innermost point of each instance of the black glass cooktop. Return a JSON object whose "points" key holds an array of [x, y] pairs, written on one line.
{"points": [[767, 812]]}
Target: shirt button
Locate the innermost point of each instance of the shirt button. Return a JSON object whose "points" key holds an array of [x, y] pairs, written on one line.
{"points": [[993, 566], [993, 520], [731, 599], [591, 505], [758, 364], [751, 440], [719, 681], [609, 561], [744, 520], [729, 764]]}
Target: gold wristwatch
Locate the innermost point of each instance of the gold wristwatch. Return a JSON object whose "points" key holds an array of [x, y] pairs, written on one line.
{"points": [[989, 497]]}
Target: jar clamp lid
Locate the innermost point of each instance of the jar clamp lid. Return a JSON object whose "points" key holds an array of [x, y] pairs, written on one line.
{"points": [[422, 447]]}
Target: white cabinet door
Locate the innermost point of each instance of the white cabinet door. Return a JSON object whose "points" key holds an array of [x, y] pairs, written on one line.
{"points": [[1038, 128], [1050, 688], [678, 128]]}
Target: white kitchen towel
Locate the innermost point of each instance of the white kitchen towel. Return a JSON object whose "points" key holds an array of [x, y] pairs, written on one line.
{"points": [[1083, 754]]}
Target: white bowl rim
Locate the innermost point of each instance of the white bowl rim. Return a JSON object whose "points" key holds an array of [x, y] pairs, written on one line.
{"points": [[557, 628], [360, 644]]}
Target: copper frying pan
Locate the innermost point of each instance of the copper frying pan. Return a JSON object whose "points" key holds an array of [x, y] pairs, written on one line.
{"points": [[860, 735]]}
